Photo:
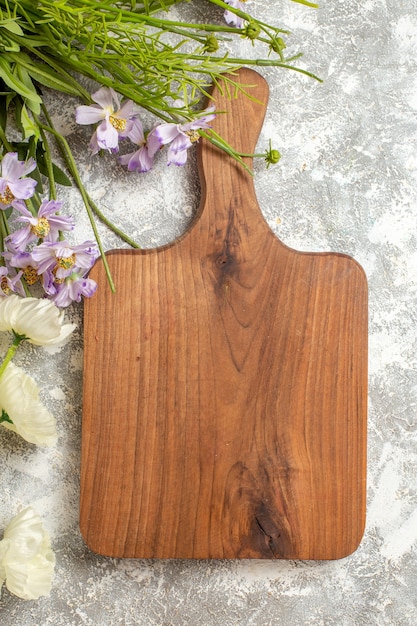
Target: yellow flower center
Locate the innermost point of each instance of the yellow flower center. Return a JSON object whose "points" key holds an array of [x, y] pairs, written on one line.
{"points": [[66, 262], [42, 228], [7, 198], [4, 286], [194, 135], [30, 275], [119, 123]]}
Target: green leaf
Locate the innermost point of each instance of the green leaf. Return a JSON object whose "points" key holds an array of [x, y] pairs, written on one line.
{"points": [[48, 76], [44, 75], [60, 176], [12, 26], [15, 83], [33, 104], [4, 417], [30, 128], [3, 112]]}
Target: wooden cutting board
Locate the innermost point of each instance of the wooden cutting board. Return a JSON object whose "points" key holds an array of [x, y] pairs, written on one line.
{"points": [[225, 385]]}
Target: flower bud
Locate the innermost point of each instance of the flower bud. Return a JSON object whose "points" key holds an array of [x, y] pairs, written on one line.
{"points": [[212, 44], [252, 30], [272, 156], [277, 45]]}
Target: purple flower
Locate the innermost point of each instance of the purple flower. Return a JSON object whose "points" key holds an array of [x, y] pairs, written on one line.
{"points": [[72, 288], [46, 225], [231, 18], [115, 121], [141, 160], [181, 136], [10, 284], [13, 188], [23, 261], [62, 259]]}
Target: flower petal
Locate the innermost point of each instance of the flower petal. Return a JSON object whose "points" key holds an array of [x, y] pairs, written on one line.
{"points": [[11, 167], [177, 157], [153, 143], [38, 320], [136, 133], [19, 398], [181, 142], [23, 189], [27, 561], [89, 114], [106, 97], [165, 133], [107, 136]]}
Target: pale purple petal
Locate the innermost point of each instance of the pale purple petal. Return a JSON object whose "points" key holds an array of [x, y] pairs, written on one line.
{"points": [[136, 133], [85, 254], [128, 109], [139, 161], [48, 282], [202, 122], [58, 224], [49, 207], [60, 249], [18, 240], [10, 283], [181, 142], [20, 259], [11, 167], [72, 290], [177, 157], [17, 204], [89, 114], [25, 212], [22, 189], [232, 19], [45, 256], [30, 165], [126, 132], [107, 136], [106, 97], [153, 143], [94, 147], [165, 133]]}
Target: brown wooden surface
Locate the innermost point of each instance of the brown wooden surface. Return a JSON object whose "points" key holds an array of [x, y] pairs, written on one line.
{"points": [[225, 385]]}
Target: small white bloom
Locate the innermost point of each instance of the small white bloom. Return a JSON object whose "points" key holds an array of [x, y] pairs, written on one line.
{"points": [[40, 321], [19, 398], [26, 558]]}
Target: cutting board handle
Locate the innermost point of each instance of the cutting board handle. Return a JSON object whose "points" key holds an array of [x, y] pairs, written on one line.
{"points": [[227, 187]]}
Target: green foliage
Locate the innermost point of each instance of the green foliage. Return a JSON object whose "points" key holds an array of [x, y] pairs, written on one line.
{"points": [[130, 46]]}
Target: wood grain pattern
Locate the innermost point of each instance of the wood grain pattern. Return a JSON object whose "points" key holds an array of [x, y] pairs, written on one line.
{"points": [[225, 386]]}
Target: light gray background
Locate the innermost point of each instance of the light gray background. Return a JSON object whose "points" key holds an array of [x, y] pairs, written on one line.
{"points": [[347, 182]]}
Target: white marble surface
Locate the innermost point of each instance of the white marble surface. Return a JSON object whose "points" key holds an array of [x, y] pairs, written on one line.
{"points": [[347, 182]]}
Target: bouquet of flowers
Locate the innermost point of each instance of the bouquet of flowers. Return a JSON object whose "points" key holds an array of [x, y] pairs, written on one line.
{"points": [[137, 58]]}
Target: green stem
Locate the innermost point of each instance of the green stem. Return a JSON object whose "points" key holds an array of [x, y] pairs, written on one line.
{"points": [[110, 224], [219, 142], [4, 229], [313, 5], [74, 173], [5, 141], [10, 353], [48, 160]]}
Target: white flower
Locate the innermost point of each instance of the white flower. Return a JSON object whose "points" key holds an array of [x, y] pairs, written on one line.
{"points": [[19, 398], [26, 558], [40, 321]]}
